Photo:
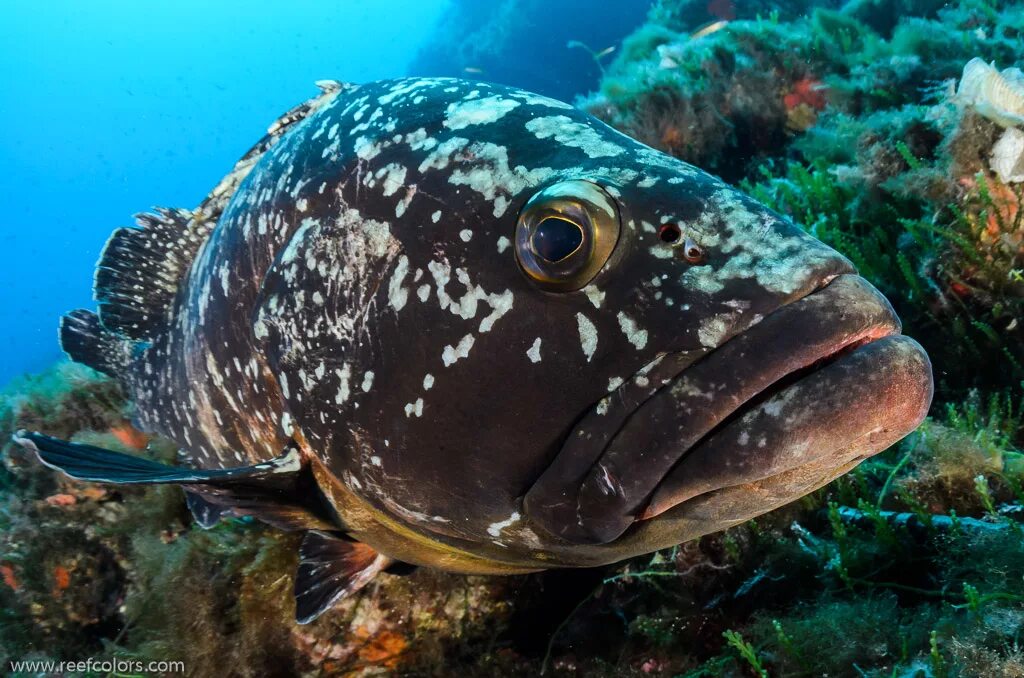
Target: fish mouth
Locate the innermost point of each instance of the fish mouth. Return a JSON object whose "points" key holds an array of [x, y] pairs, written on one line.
{"points": [[823, 382]]}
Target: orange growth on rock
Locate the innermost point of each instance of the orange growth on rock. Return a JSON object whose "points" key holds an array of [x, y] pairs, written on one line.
{"points": [[960, 289], [61, 500], [7, 572], [1001, 215], [130, 436], [806, 91], [382, 649], [672, 137], [94, 493], [61, 578]]}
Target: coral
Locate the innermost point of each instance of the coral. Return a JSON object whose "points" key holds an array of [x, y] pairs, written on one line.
{"points": [[803, 103], [999, 96], [1007, 159]]}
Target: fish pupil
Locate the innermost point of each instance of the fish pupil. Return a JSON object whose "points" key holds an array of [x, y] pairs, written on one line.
{"points": [[555, 239]]}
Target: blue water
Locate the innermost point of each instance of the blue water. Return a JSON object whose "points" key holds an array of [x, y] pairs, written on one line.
{"points": [[111, 107], [108, 108]]}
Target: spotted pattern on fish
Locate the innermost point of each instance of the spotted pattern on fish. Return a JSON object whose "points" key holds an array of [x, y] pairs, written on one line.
{"points": [[359, 291]]}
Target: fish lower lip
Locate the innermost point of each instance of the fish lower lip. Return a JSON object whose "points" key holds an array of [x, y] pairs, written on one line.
{"points": [[846, 408], [800, 337]]}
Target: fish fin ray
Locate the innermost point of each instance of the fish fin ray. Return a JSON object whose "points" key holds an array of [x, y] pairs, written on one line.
{"points": [[142, 268], [331, 568], [281, 491], [85, 340]]}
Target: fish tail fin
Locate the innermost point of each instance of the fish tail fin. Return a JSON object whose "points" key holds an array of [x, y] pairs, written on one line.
{"points": [[331, 568], [84, 338]]}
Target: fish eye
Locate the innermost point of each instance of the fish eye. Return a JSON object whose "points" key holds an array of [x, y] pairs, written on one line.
{"points": [[566, 234]]}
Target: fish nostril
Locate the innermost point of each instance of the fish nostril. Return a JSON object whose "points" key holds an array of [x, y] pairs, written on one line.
{"points": [[670, 233], [693, 252]]}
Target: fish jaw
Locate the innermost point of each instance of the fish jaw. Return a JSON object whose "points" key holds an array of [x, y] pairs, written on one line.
{"points": [[823, 382], [832, 413]]}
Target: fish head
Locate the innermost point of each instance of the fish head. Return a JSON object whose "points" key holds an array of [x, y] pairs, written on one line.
{"points": [[536, 341], [768, 368]]}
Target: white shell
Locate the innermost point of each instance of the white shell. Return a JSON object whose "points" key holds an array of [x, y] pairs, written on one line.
{"points": [[1007, 158], [997, 96]]}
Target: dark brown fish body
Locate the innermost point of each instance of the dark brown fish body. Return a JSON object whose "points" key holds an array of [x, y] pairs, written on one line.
{"points": [[475, 328]]}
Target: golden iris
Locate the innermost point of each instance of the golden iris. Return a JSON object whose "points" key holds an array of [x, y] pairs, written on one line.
{"points": [[566, 233]]}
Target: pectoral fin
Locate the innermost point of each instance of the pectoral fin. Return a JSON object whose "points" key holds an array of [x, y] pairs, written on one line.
{"points": [[281, 491], [331, 568]]}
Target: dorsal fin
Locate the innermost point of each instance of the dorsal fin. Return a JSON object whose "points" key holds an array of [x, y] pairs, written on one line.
{"points": [[142, 267], [218, 198]]}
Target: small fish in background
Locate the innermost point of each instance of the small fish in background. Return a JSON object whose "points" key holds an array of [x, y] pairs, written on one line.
{"points": [[473, 70], [453, 324], [672, 53], [708, 29], [576, 44]]}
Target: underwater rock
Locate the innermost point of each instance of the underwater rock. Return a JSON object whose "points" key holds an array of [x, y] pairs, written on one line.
{"points": [[999, 96]]}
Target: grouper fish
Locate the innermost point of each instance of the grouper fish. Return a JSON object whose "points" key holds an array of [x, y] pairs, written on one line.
{"points": [[454, 324]]}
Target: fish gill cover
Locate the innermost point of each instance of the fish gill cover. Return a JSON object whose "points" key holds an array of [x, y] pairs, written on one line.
{"points": [[889, 130]]}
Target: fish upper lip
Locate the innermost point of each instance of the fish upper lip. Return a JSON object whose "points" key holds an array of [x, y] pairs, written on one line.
{"points": [[615, 489]]}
